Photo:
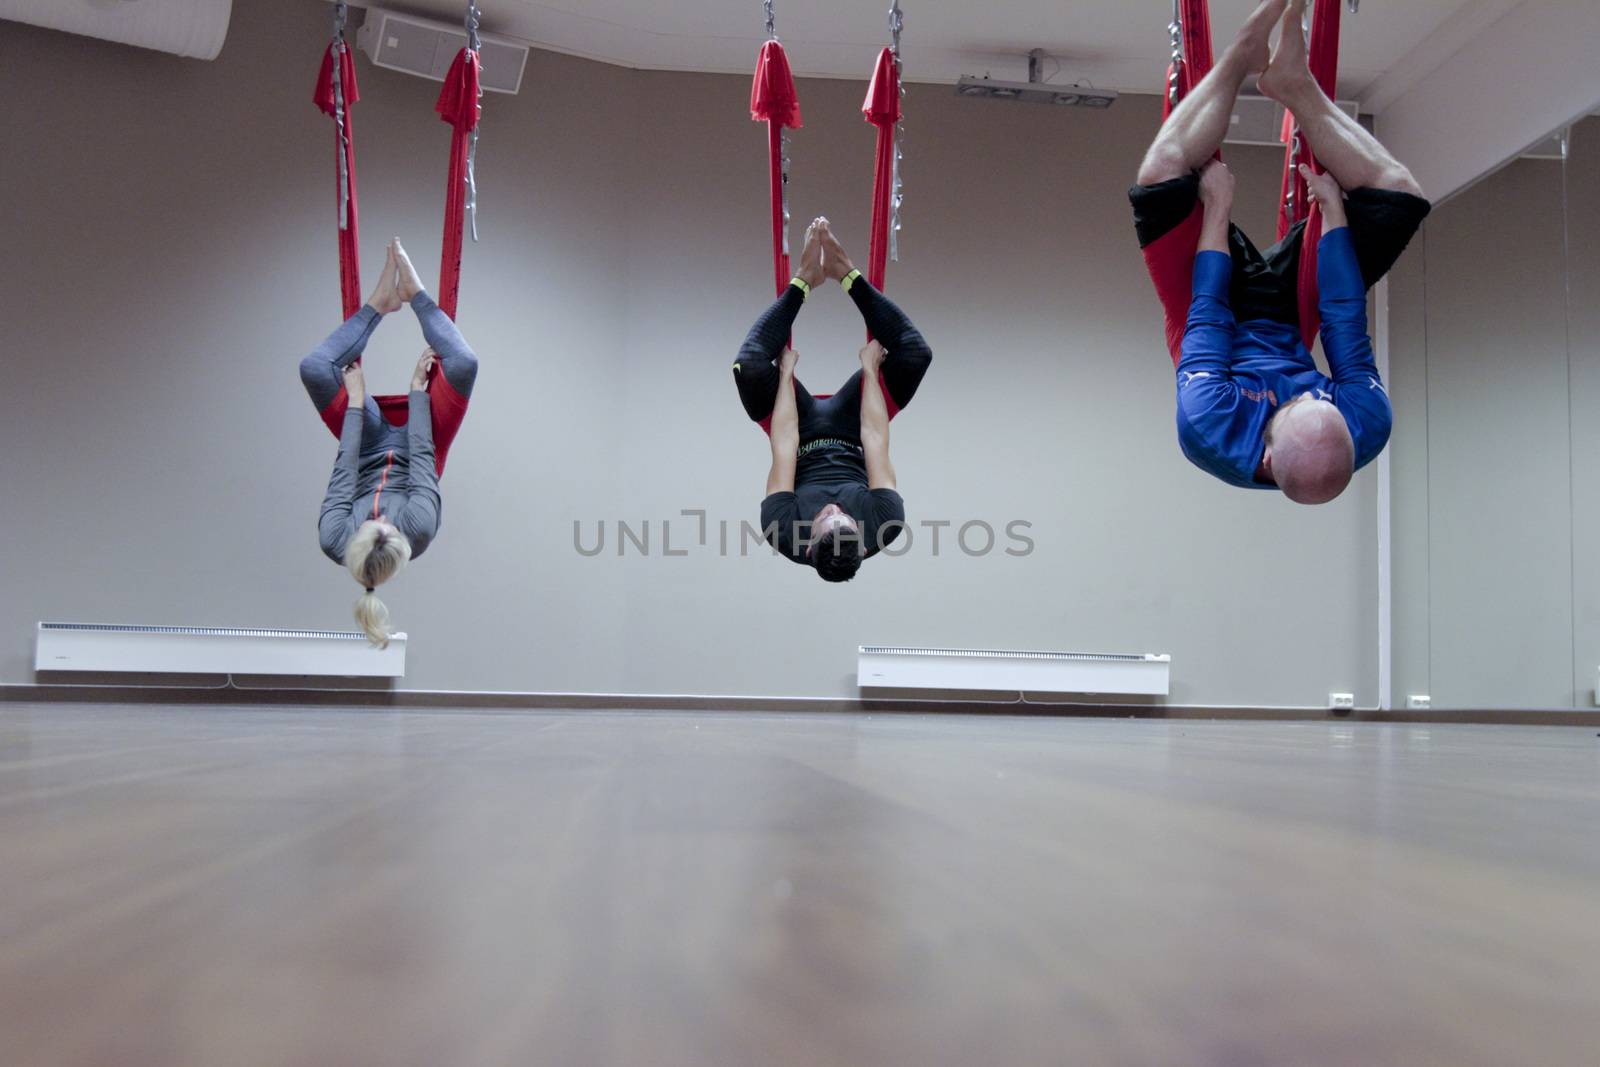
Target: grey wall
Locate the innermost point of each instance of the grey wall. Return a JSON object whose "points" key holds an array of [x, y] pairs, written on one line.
{"points": [[1494, 373], [170, 255], [1582, 205]]}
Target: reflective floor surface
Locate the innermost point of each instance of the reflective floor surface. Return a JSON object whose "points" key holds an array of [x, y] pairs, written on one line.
{"points": [[247, 886]]}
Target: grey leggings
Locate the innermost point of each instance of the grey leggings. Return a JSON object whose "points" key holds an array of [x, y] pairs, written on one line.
{"points": [[322, 372]]}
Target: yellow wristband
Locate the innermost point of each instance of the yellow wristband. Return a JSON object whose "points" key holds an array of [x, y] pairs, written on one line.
{"points": [[800, 285], [849, 279]]}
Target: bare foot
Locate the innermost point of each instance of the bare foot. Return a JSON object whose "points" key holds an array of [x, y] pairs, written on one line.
{"points": [[1254, 40], [409, 284], [835, 260], [1330, 198], [810, 270], [384, 298], [1288, 72], [1216, 185]]}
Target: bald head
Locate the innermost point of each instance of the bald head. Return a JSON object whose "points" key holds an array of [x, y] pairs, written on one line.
{"points": [[1309, 451]]}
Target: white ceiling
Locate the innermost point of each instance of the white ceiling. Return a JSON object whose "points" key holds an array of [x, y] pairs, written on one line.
{"points": [[1117, 44]]}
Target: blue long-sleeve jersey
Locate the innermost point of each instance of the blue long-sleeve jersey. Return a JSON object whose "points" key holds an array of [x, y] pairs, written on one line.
{"points": [[1232, 375]]}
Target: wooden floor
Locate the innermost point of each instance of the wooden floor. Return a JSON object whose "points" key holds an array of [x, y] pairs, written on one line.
{"points": [[240, 887]]}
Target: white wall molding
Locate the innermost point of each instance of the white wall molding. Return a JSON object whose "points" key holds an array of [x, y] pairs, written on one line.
{"points": [[1380, 323]]}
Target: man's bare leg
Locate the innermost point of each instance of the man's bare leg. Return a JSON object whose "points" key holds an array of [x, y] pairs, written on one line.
{"points": [[1195, 129], [1351, 154]]}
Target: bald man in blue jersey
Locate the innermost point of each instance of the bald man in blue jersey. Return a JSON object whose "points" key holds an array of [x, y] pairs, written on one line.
{"points": [[1253, 409]]}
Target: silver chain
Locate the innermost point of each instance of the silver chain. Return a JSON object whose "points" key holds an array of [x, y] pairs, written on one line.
{"points": [[1175, 29], [1294, 141], [783, 183], [783, 138], [337, 48], [1294, 177], [474, 16], [897, 197], [897, 22], [472, 183]]}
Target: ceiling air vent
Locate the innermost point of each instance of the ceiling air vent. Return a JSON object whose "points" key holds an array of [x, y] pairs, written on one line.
{"points": [[192, 28]]}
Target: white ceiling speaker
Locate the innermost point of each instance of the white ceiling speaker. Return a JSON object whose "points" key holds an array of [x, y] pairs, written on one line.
{"points": [[427, 48], [192, 28]]}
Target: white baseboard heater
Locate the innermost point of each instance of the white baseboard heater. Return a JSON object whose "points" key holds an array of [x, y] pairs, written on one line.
{"points": [[73, 646], [891, 667]]}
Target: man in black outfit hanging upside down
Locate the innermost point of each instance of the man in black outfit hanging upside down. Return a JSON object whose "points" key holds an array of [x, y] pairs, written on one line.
{"points": [[831, 499]]}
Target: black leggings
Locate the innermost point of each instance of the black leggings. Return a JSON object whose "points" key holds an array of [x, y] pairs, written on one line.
{"points": [[906, 359]]}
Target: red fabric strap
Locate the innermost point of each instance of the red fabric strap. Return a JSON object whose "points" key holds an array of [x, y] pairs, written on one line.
{"points": [[1195, 22], [773, 97], [780, 255], [882, 110], [447, 407], [349, 239], [458, 105], [1323, 57], [1295, 201], [775, 101]]}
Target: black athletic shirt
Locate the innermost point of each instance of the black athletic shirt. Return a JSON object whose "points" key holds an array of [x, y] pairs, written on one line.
{"points": [[831, 473]]}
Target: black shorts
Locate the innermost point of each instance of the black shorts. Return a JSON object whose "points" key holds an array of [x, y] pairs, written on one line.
{"points": [[1265, 284]]}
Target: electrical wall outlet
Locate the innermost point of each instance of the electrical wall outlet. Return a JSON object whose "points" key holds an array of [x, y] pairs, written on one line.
{"points": [[1342, 701], [1419, 702]]}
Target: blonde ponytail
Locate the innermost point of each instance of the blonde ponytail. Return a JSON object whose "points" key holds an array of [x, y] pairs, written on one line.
{"points": [[375, 554], [373, 617]]}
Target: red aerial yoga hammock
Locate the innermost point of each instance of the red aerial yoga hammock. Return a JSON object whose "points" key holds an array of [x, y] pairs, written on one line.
{"points": [[457, 105], [1194, 63], [882, 110], [774, 100]]}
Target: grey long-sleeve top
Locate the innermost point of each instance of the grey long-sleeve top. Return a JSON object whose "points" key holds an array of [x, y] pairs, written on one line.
{"points": [[383, 470]]}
